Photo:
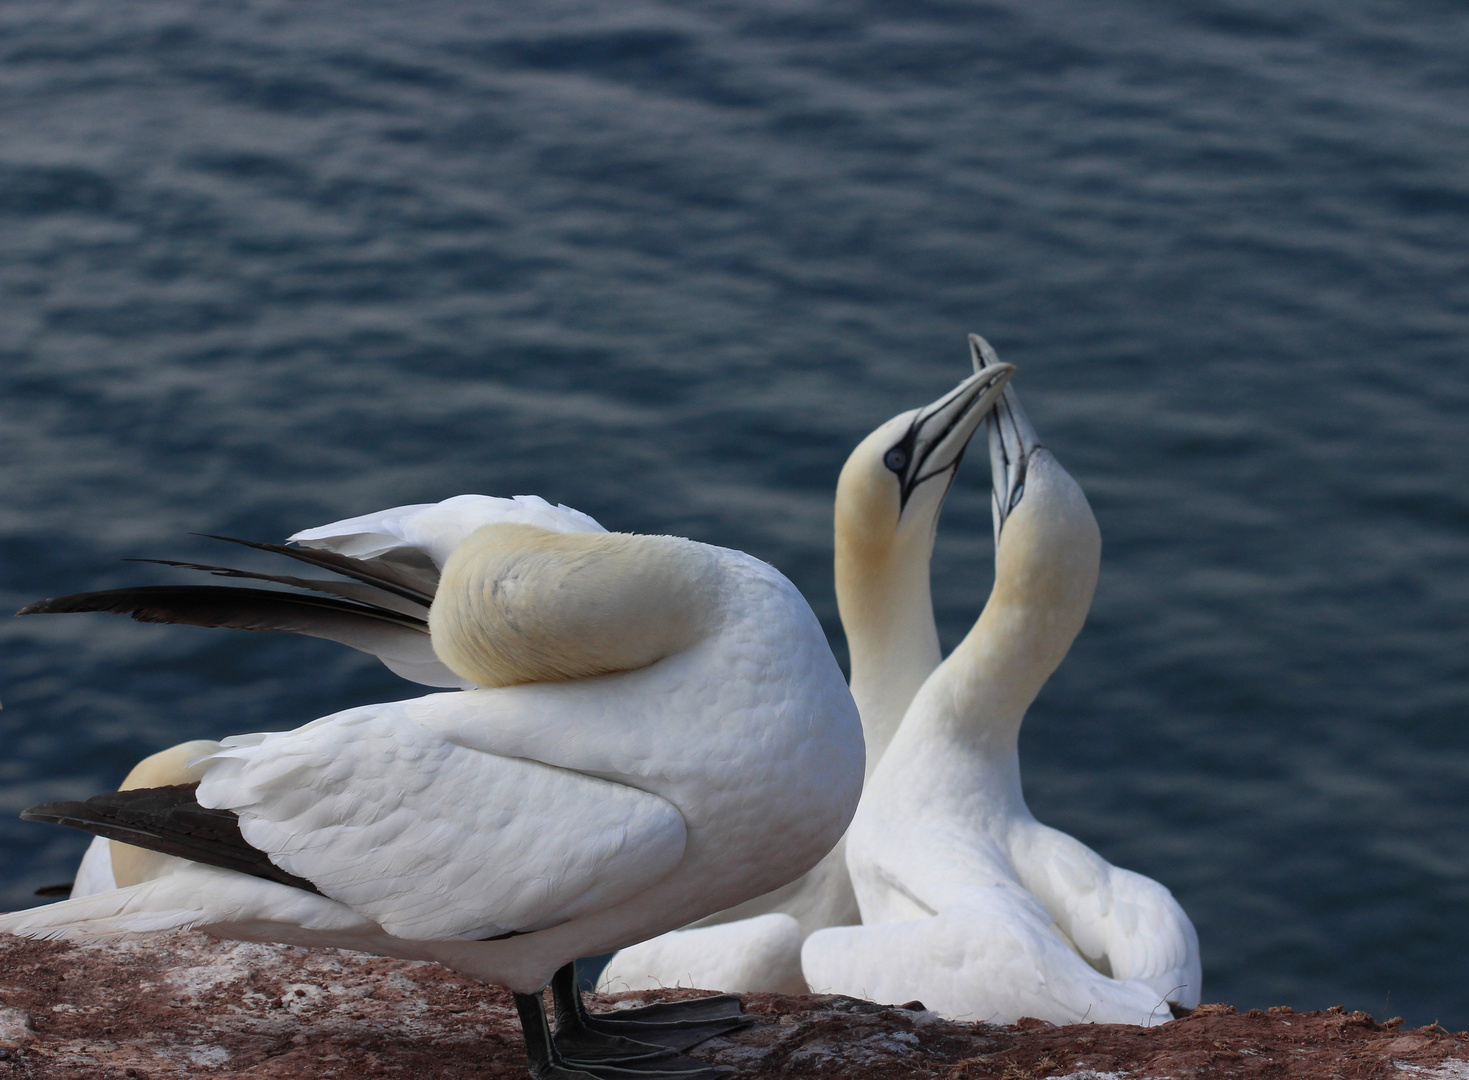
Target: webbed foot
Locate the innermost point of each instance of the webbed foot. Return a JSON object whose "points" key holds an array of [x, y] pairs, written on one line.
{"points": [[674, 1025]]}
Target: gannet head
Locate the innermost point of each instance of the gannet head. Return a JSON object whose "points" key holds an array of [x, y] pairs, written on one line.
{"points": [[1048, 548], [887, 507], [520, 603], [893, 484]]}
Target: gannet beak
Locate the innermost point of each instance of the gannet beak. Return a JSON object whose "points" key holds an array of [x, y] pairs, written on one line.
{"points": [[934, 443], [1012, 440]]}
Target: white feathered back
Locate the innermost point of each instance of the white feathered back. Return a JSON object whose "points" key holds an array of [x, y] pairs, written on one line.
{"points": [[437, 529]]}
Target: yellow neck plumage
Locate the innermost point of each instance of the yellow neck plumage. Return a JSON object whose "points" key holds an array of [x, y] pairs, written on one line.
{"points": [[519, 604]]}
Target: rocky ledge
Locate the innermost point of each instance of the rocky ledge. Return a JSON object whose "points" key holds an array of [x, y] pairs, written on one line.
{"points": [[185, 1005]]}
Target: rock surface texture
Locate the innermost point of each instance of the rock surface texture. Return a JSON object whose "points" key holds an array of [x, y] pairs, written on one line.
{"points": [[185, 1005]]}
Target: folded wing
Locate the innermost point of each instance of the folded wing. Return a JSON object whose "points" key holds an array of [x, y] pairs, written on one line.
{"points": [[432, 840], [435, 529], [392, 559]]}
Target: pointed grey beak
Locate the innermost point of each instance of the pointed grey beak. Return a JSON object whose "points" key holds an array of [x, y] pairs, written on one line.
{"points": [[1012, 440], [934, 443]]}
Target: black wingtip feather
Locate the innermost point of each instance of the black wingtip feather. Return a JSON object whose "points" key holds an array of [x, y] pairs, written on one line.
{"points": [[214, 605], [374, 573], [171, 821]]}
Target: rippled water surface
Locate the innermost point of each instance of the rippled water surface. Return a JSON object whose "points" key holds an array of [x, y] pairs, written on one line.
{"points": [[265, 265]]}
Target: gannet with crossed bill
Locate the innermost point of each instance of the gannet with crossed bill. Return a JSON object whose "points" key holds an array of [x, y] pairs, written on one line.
{"points": [[657, 730], [968, 903], [888, 500]]}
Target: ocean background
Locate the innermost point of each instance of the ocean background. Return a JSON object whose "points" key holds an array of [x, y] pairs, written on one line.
{"points": [[267, 264]]}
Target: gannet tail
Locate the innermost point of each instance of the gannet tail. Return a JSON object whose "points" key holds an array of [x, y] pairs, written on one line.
{"points": [[139, 909], [199, 897]]}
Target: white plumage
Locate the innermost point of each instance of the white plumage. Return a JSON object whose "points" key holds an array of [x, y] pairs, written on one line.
{"points": [[582, 815], [433, 530], [968, 903]]}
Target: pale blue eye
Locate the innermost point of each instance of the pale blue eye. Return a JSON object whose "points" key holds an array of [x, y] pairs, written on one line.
{"points": [[896, 459]]}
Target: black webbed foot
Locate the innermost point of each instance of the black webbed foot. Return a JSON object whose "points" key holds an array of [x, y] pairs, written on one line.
{"points": [[577, 1052], [674, 1025]]}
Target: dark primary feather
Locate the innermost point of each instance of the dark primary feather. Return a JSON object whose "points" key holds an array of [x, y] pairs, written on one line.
{"points": [[372, 595], [221, 605], [371, 630], [169, 820], [409, 582]]}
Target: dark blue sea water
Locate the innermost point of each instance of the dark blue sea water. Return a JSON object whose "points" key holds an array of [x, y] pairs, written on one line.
{"points": [[269, 264]]}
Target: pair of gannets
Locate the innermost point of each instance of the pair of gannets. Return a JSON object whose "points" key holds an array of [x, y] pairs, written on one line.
{"points": [[968, 903], [658, 729]]}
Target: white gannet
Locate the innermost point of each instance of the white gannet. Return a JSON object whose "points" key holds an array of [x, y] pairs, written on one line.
{"points": [[968, 902], [888, 500], [658, 730]]}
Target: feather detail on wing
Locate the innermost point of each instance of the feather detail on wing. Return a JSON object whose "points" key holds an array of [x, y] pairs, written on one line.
{"points": [[433, 840], [435, 529], [1126, 925], [1151, 940], [400, 641], [406, 577], [372, 595], [168, 820]]}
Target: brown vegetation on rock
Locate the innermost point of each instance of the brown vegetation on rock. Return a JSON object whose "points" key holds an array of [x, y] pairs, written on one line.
{"points": [[185, 1005]]}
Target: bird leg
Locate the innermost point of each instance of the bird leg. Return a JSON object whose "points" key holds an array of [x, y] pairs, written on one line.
{"points": [[675, 1025], [591, 1056]]}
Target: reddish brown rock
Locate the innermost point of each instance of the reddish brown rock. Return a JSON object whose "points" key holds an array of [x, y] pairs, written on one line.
{"points": [[184, 1005]]}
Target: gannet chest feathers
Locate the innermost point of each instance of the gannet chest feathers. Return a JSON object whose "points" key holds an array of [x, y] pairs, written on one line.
{"points": [[520, 604]]}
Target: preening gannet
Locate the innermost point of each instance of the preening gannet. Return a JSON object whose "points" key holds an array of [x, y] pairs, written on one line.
{"points": [[658, 729], [968, 903], [888, 500]]}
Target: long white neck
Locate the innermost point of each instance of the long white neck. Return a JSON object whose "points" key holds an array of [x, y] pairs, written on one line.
{"points": [[887, 613], [1045, 574]]}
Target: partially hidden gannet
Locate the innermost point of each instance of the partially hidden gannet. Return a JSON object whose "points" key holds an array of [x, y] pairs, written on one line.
{"points": [[110, 863], [888, 500], [658, 730], [968, 903]]}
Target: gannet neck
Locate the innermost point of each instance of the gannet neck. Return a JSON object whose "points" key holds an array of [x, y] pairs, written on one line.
{"points": [[1046, 569], [520, 603], [883, 598], [889, 497]]}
